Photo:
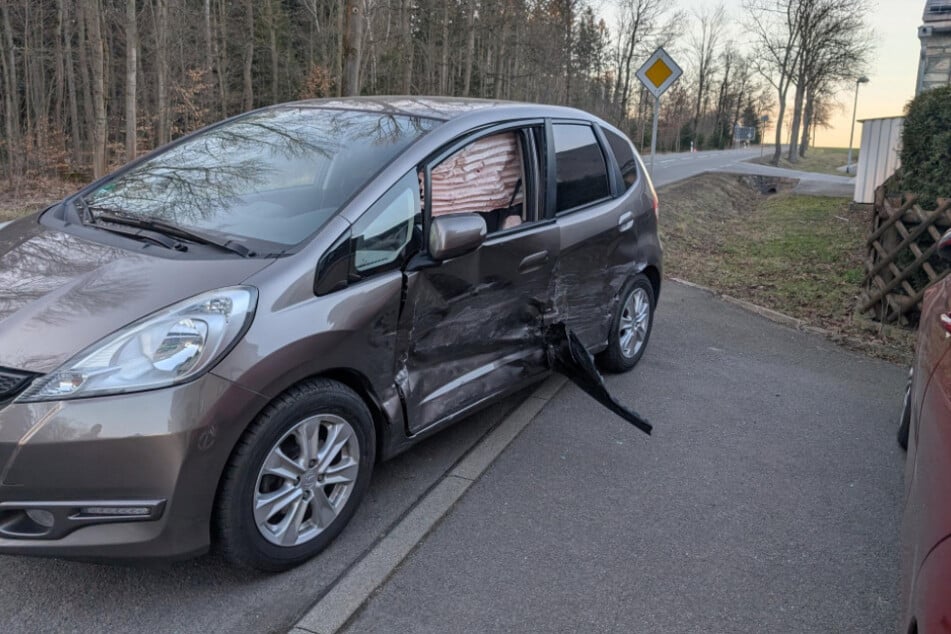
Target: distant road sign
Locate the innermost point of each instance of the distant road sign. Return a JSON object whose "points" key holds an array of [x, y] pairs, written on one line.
{"points": [[741, 133], [659, 72]]}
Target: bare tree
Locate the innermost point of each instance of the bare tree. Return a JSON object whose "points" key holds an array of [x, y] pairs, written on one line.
{"points": [[703, 45], [775, 27], [640, 22], [835, 45]]}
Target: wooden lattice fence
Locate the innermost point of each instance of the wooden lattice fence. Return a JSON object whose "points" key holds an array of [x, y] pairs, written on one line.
{"points": [[902, 256]]}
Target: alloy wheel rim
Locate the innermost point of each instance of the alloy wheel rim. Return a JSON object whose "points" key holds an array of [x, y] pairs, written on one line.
{"points": [[635, 320], [305, 480]]}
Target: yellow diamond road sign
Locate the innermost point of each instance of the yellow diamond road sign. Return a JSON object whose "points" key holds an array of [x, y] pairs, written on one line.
{"points": [[659, 72]]}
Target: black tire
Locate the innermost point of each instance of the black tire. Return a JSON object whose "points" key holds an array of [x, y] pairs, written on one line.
{"points": [[904, 421], [614, 358], [238, 537]]}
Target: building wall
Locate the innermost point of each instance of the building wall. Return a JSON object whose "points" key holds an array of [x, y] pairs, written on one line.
{"points": [[880, 156], [934, 67]]}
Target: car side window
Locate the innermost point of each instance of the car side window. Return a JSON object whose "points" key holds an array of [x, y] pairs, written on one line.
{"points": [[486, 177], [580, 170], [624, 153], [384, 234]]}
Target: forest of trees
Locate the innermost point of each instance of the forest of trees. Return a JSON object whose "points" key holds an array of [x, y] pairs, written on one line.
{"points": [[89, 84]]}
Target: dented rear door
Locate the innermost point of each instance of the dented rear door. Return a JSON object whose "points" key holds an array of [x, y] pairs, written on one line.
{"points": [[598, 234]]}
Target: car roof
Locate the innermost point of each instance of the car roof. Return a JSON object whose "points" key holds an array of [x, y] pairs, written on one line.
{"points": [[441, 108]]}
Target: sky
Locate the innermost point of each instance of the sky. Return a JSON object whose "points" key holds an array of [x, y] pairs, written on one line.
{"points": [[892, 72]]}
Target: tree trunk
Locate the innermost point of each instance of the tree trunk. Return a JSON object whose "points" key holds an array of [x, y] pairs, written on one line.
{"points": [[11, 96], [59, 98], [272, 33], [778, 150], [221, 59], [131, 67], [793, 154], [341, 6], [807, 123], [569, 42], [444, 62], [248, 93], [209, 47], [470, 48], [352, 45], [92, 12], [161, 72], [408, 45], [75, 134]]}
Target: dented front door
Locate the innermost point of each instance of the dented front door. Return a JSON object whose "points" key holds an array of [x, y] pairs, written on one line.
{"points": [[472, 325]]}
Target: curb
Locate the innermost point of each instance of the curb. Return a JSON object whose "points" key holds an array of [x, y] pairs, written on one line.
{"points": [[775, 316], [762, 311], [335, 609]]}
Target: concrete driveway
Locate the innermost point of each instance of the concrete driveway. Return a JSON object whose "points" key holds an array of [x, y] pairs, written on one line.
{"points": [[767, 500]]}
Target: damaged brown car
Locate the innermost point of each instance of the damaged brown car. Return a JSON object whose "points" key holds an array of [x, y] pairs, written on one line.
{"points": [[215, 344]]}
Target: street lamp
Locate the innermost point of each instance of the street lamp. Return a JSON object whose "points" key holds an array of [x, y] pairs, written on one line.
{"points": [[861, 80]]}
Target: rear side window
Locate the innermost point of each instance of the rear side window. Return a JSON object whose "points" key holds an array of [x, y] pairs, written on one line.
{"points": [[624, 153], [581, 173]]}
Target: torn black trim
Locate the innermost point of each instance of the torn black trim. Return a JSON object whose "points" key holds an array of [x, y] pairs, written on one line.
{"points": [[568, 356]]}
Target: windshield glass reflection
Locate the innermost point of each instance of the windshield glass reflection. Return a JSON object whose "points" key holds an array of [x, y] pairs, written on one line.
{"points": [[275, 175]]}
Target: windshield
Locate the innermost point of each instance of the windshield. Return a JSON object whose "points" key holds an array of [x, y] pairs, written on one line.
{"points": [[276, 175]]}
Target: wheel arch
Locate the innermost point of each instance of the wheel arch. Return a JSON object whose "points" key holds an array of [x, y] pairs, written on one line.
{"points": [[653, 276]]}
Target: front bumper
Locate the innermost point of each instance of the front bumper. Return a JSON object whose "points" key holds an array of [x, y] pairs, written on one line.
{"points": [[118, 477]]}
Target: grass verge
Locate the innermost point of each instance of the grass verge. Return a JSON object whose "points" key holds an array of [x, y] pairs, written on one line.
{"points": [[822, 160], [799, 255]]}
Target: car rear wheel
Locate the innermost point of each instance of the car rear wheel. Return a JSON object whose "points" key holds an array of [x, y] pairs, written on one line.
{"points": [[631, 326], [904, 421], [296, 477]]}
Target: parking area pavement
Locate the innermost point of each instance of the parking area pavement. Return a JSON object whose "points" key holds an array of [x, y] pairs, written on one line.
{"points": [[767, 500]]}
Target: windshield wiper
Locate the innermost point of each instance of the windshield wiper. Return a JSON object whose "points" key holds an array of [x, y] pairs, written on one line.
{"points": [[166, 228]]}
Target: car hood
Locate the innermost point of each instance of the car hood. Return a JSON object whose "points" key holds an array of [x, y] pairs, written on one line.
{"points": [[60, 293]]}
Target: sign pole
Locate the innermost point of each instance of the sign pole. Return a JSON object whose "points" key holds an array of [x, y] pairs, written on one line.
{"points": [[657, 74], [654, 132]]}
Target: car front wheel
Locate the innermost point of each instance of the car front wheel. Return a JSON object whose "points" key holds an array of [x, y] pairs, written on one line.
{"points": [[630, 327], [296, 477]]}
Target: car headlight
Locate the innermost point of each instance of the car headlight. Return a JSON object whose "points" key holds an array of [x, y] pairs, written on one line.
{"points": [[168, 347]]}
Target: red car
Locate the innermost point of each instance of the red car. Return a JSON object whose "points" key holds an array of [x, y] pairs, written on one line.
{"points": [[925, 430]]}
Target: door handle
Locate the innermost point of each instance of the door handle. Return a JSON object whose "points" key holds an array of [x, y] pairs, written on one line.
{"points": [[533, 261], [625, 222]]}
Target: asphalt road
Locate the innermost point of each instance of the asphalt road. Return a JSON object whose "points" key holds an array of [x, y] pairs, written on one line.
{"points": [[206, 596], [767, 500], [669, 168]]}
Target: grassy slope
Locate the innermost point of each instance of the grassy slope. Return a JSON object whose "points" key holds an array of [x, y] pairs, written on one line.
{"points": [[800, 255]]}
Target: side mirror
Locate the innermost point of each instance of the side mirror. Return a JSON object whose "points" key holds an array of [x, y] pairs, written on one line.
{"points": [[944, 246], [455, 234]]}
